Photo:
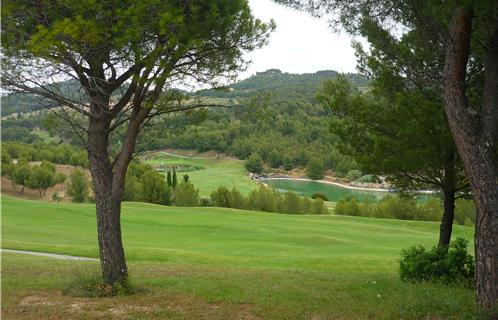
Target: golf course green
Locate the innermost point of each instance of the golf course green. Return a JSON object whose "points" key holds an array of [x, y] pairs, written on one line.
{"points": [[273, 266], [207, 174]]}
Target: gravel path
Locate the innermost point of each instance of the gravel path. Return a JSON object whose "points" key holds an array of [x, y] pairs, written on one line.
{"points": [[49, 255]]}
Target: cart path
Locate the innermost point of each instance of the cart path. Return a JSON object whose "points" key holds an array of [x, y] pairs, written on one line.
{"points": [[49, 255]]}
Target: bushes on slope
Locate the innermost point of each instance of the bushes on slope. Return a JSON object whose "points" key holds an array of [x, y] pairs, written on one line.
{"points": [[268, 200]]}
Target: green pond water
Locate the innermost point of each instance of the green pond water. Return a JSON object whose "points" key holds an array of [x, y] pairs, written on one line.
{"points": [[333, 192]]}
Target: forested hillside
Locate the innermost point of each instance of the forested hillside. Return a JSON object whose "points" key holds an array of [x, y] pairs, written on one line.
{"points": [[272, 114], [282, 83]]}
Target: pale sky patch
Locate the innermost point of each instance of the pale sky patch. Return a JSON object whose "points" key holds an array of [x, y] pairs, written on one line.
{"points": [[300, 43]]}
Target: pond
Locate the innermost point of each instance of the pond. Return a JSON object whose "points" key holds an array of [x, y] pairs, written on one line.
{"points": [[332, 191]]}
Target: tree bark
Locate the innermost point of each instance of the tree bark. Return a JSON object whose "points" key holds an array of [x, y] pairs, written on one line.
{"points": [[108, 204], [446, 226], [109, 183], [475, 134], [448, 188]]}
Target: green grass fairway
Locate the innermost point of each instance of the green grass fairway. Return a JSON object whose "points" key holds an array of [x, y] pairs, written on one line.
{"points": [[216, 172], [212, 263]]}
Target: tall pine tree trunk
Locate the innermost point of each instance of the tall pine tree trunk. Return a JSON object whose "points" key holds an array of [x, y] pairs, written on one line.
{"points": [[108, 204], [448, 189], [475, 135], [446, 226]]}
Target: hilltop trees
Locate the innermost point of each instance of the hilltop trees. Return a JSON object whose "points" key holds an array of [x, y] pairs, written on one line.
{"points": [[134, 51]]}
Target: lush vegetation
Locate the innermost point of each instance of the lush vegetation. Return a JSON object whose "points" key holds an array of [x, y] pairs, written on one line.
{"points": [[55, 153], [398, 207], [269, 117], [268, 200], [450, 266]]}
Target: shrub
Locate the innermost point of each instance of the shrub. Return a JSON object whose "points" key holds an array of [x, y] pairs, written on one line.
{"points": [[267, 199], [368, 178], [307, 203], [186, 195], [450, 266], [205, 202], [319, 195], [78, 186], [91, 286], [465, 212], [155, 189], [397, 208], [347, 207], [56, 196], [236, 199], [353, 175], [292, 203], [318, 207], [221, 197], [391, 207], [264, 199], [254, 163], [145, 184]]}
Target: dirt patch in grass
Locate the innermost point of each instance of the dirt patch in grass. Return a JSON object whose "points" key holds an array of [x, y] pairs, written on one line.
{"points": [[159, 305]]}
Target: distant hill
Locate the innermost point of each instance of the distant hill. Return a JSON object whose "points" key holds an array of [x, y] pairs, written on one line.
{"points": [[274, 81], [25, 103], [282, 83]]}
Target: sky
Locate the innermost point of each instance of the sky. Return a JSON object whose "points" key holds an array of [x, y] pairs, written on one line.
{"points": [[300, 43]]}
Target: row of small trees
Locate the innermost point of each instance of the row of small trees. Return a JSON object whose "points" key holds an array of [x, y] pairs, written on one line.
{"points": [[396, 207], [315, 168], [44, 176], [38, 177], [144, 184], [59, 154], [268, 200]]}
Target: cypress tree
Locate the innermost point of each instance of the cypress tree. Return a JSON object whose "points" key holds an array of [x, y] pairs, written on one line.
{"points": [[168, 179], [175, 181]]}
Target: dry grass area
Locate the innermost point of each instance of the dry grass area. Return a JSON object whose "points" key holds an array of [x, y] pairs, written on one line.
{"points": [[153, 305], [9, 189]]}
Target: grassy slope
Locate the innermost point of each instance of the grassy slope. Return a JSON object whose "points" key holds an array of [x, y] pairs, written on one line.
{"points": [[227, 172], [218, 236], [213, 263]]}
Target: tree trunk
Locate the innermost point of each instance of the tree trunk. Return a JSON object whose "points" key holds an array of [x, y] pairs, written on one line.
{"points": [[108, 204], [112, 256], [475, 135], [446, 226]]}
